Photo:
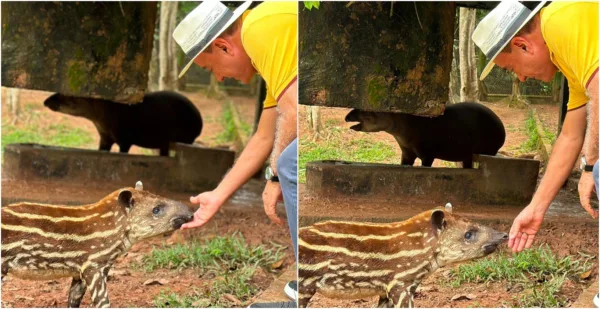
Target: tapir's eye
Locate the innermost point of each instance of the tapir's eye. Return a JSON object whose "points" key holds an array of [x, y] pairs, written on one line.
{"points": [[156, 210], [469, 235]]}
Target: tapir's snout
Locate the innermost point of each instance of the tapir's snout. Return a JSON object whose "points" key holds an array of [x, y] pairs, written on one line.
{"points": [[352, 116], [495, 240], [52, 104], [181, 220]]}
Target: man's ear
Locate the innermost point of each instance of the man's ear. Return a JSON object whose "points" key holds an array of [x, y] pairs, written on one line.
{"points": [[222, 45], [521, 43]]}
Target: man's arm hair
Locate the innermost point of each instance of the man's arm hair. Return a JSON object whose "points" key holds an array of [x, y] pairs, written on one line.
{"points": [[287, 129]]}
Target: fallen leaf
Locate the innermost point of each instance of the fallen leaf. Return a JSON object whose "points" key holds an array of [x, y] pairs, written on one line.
{"points": [[156, 281], [586, 274], [463, 296], [201, 303], [118, 272], [23, 297], [277, 264], [232, 299]]}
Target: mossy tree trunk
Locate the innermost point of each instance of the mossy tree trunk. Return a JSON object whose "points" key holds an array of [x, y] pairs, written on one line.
{"points": [[468, 66]]}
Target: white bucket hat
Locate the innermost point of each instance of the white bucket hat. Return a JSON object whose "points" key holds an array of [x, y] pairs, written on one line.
{"points": [[499, 26], [202, 26]]}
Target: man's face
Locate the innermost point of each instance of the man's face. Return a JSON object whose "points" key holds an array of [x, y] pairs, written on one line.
{"points": [[227, 61], [527, 61]]}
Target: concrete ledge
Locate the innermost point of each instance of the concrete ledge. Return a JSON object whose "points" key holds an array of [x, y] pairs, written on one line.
{"points": [[192, 169], [494, 181]]}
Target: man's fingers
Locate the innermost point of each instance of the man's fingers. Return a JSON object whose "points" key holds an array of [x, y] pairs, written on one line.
{"points": [[522, 242], [192, 224], [272, 213], [529, 241], [512, 235]]}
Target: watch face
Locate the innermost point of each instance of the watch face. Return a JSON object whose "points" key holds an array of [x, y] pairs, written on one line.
{"points": [[268, 173]]}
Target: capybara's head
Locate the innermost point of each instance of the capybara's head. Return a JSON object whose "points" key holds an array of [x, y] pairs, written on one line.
{"points": [[369, 121], [64, 104], [149, 215], [460, 239]]}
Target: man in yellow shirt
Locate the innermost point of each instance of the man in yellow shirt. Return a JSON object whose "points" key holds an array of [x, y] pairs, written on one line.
{"points": [[238, 44], [535, 44]]}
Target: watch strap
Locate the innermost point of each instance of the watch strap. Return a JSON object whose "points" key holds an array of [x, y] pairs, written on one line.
{"points": [[588, 168]]}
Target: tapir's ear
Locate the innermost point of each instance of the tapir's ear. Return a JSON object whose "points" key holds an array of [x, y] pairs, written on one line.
{"points": [[438, 222], [139, 186], [126, 199]]}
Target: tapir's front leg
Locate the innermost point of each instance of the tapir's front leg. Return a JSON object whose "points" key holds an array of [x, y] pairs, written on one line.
{"points": [[399, 296], [95, 280], [76, 292]]}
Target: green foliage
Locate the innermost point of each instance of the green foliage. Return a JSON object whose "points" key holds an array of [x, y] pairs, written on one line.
{"points": [[533, 138], [336, 148], [219, 253], [236, 283], [59, 134], [312, 4], [539, 270]]}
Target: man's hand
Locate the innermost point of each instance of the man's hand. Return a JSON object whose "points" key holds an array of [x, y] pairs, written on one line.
{"points": [[210, 202], [271, 196], [524, 228], [586, 188]]}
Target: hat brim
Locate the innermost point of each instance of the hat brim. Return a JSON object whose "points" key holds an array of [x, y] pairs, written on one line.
{"points": [[236, 14], [488, 68]]}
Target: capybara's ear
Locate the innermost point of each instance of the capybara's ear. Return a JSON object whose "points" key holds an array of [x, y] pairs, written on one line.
{"points": [[126, 199], [438, 222]]}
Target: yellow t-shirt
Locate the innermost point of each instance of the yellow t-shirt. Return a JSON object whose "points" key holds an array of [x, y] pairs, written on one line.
{"points": [[570, 30], [269, 36]]}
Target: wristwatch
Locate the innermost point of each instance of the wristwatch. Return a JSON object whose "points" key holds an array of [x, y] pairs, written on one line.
{"points": [[269, 175], [584, 166]]}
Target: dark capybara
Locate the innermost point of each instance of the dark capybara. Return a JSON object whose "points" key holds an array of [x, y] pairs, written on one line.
{"points": [[161, 118], [463, 130]]}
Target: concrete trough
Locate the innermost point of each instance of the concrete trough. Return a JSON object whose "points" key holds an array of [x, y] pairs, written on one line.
{"points": [[493, 181], [192, 169]]}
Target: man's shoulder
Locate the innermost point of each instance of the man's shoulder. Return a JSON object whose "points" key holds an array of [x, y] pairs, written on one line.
{"points": [[270, 9], [556, 9]]}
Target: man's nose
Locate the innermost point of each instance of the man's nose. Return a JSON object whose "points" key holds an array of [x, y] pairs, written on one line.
{"points": [[219, 78], [522, 78]]}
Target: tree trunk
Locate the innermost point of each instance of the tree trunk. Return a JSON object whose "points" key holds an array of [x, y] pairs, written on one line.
{"points": [[214, 89], [466, 47], [14, 103], [313, 115], [516, 100], [167, 48], [556, 87], [153, 67], [481, 62]]}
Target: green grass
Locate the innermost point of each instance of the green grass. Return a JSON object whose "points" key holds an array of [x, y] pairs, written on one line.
{"points": [[229, 133], [335, 148], [230, 257], [219, 253], [236, 283], [540, 270], [58, 134], [533, 138]]}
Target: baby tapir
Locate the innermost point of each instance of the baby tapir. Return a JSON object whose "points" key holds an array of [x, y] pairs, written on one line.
{"points": [[463, 130], [161, 118], [43, 242], [356, 260]]}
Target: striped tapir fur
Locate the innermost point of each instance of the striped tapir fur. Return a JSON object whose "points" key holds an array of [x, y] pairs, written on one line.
{"points": [[43, 242], [355, 260]]}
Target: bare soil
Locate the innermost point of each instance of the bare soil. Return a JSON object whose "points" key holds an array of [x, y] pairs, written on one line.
{"points": [[567, 229]]}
